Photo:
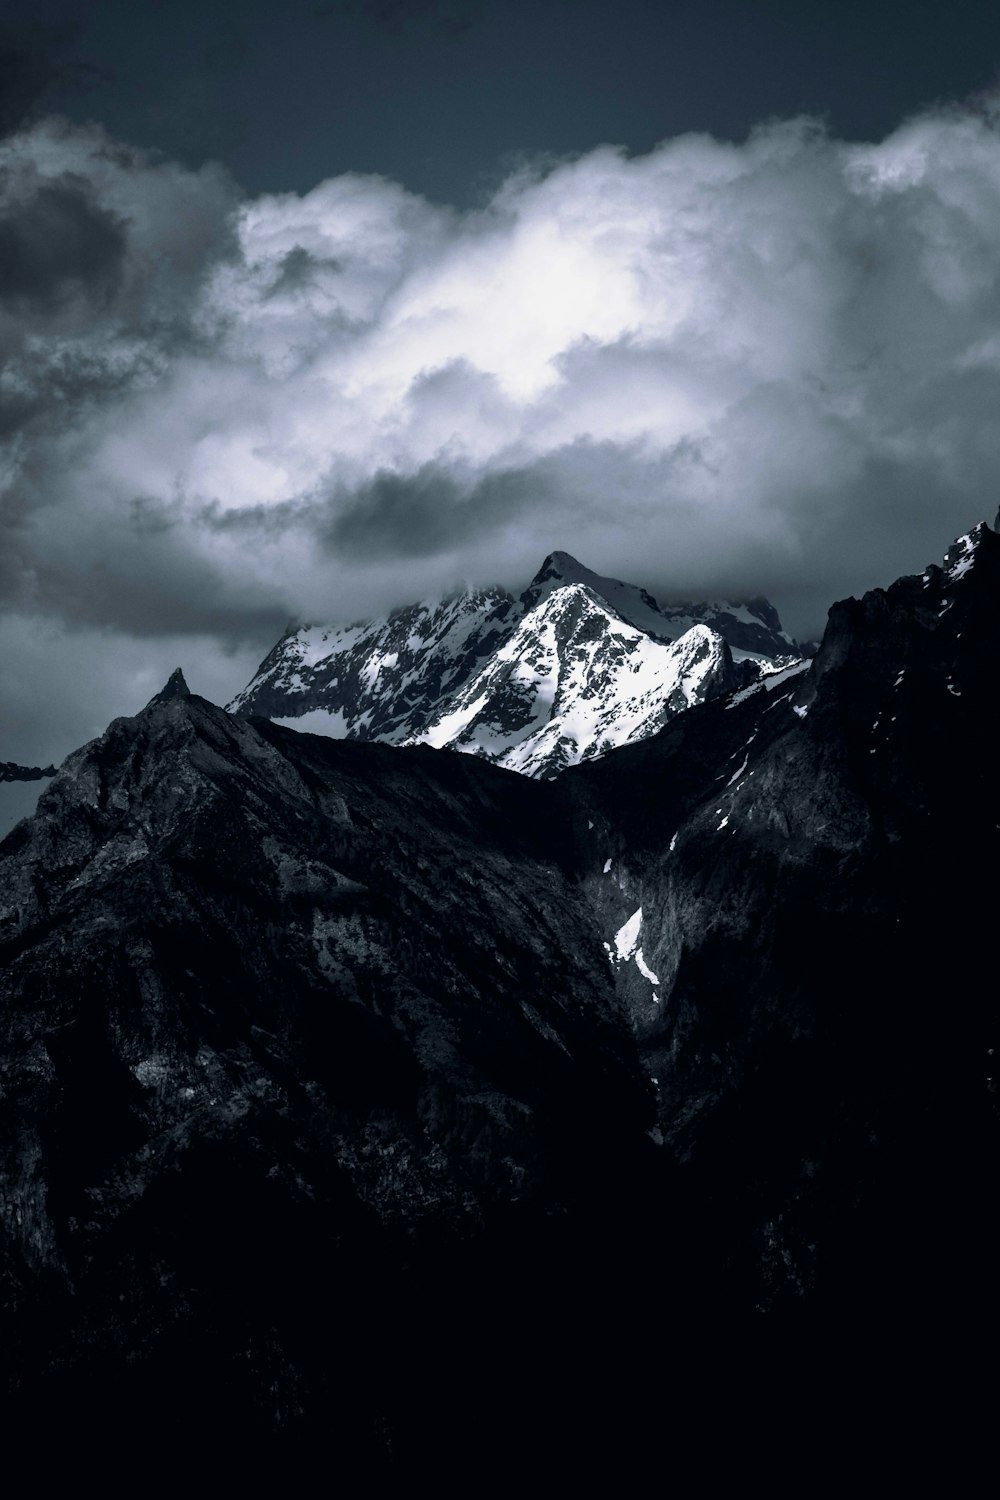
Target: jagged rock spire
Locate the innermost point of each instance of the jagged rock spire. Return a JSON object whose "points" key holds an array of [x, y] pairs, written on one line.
{"points": [[176, 687]]}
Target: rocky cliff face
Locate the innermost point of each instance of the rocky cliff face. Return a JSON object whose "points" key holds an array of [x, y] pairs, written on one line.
{"points": [[807, 877], [256, 906], [286, 1023], [332, 1072]]}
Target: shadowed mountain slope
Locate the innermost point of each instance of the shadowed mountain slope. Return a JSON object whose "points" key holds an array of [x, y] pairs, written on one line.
{"points": [[814, 870], [333, 1071]]}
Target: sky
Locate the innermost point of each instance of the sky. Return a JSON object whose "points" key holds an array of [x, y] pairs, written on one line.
{"points": [[312, 309]]}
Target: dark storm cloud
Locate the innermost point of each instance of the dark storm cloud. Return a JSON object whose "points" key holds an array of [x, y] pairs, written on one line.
{"points": [[426, 513], [57, 242], [102, 252], [297, 271], [390, 517], [145, 573]]}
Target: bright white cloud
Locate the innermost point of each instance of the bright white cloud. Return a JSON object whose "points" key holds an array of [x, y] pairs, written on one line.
{"points": [[762, 367]]}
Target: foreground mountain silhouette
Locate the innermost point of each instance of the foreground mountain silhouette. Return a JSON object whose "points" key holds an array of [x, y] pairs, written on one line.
{"points": [[346, 1085], [575, 667]]}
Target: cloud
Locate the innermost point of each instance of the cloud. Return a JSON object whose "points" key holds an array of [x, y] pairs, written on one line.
{"points": [[56, 245], [431, 511], [714, 369]]}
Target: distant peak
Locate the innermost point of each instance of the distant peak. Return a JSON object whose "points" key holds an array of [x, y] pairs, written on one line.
{"points": [[11, 771], [560, 565], [559, 568], [176, 687]]}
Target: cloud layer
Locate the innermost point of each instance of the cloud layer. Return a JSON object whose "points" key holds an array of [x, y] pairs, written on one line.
{"points": [[769, 367]]}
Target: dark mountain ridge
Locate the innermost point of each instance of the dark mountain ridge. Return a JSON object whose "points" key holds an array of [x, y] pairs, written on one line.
{"points": [[294, 1032], [814, 877], [315, 1045]]}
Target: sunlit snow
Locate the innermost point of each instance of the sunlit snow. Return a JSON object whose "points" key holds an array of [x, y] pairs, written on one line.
{"points": [[627, 936], [644, 968], [627, 946], [966, 558], [573, 681]]}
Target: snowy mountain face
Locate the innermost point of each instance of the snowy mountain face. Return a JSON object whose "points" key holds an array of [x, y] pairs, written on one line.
{"points": [[576, 666], [574, 681], [379, 679]]}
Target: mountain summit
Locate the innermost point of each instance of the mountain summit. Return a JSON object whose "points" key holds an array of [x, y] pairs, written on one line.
{"points": [[573, 681], [751, 626], [175, 687], [577, 665]]}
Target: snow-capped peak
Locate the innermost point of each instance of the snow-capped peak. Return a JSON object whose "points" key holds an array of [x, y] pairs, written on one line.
{"points": [[576, 680], [580, 663], [634, 604], [751, 627], [961, 555]]}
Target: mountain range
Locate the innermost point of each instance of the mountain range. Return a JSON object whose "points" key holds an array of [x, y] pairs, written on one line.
{"points": [[576, 666], [370, 1099]]}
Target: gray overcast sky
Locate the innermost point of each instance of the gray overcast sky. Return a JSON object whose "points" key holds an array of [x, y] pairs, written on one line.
{"points": [[309, 309]]}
